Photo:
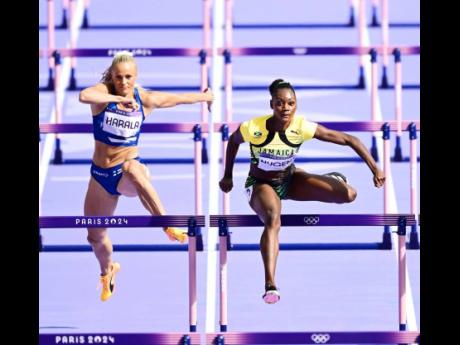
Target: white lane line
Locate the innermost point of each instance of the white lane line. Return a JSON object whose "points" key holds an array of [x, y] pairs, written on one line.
{"points": [[411, 318], [214, 145]]}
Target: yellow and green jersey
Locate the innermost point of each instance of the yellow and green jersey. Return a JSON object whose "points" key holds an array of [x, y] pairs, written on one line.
{"points": [[272, 151]]}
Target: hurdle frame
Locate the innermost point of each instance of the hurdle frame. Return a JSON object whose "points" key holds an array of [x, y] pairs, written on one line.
{"points": [[193, 222], [197, 130], [138, 52], [224, 222], [353, 126]]}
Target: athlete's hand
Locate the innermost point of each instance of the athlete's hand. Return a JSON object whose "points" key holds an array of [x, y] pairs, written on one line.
{"points": [[129, 103], [226, 184], [379, 178], [210, 97]]}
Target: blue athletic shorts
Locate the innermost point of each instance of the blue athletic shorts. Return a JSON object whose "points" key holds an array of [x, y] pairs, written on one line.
{"points": [[108, 178]]}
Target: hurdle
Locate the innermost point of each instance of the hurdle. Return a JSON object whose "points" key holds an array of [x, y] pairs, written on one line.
{"points": [[192, 222], [228, 52], [351, 23], [155, 128], [87, 25], [229, 25], [206, 27], [384, 7], [246, 338], [207, 4], [146, 52], [139, 52], [224, 222], [142, 52], [355, 126], [121, 338], [312, 50]]}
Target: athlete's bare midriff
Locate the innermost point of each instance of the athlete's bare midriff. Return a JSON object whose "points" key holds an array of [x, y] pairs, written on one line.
{"points": [[106, 156]]}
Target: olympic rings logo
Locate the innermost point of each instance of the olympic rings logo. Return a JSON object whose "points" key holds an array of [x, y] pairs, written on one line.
{"points": [[311, 220], [319, 338]]}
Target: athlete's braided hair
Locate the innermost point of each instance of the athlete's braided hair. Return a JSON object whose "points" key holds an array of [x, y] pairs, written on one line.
{"points": [[279, 84]]}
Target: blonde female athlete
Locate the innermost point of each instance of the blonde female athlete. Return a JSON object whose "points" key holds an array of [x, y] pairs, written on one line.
{"points": [[274, 141], [119, 107]]}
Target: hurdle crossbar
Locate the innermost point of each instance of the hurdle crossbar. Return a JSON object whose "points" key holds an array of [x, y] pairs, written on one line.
{"points": [[65, 222], [315, 220], [121, 338], [183, 127], [351, 126], [305, 50], [237, 338]]}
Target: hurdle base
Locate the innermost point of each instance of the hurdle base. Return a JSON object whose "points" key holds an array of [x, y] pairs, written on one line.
{"points": [[374, 22], [351, 20], [64, 20], [361, 80], [199, 240], [57, 157], [398, 157], [386, 241], [85, 24], [414, 242], [223, 328], [204, 152], [384, 84], [50, 86], [192, 328], [72, 82], [373, 149]]}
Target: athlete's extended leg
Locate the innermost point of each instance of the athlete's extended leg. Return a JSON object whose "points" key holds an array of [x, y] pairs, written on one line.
{"points": [[100, 203], [311, 187], [266, 203], [136, 182]]}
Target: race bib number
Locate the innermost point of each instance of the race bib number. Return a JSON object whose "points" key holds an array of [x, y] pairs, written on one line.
{"points": [[272, 163]]}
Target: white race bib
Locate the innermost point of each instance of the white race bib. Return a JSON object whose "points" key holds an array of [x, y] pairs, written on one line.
{"points": [[121, 125], [273, 163]]}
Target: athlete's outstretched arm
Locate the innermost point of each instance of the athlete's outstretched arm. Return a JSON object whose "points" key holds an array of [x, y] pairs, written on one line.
{"points": [[226, 184], [157, 99], [340, 138]]}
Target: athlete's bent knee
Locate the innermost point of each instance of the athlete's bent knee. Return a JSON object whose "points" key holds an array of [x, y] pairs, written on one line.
{"points": [[134, 171], [272, 220], [95, 239], [351, 194]]}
